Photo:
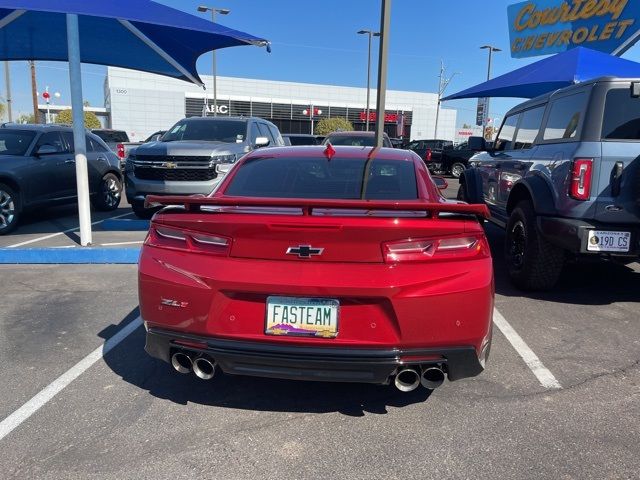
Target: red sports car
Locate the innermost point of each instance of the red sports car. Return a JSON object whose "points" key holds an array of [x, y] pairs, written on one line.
{"points": [[320, 263]]}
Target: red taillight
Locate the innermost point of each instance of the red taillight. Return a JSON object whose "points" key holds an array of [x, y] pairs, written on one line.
{"points": [[427, 156], [120, 150], [176, 239], [432, 249], [581, 172]]}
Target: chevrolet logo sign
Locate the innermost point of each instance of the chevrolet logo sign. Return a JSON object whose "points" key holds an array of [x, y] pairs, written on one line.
{"points": [[304, 251], [169, 165]]}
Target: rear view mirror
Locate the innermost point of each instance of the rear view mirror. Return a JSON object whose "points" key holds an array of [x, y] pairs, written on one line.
{"points": [[477, 144], [261, 142], [46, 150], [441, 183]]}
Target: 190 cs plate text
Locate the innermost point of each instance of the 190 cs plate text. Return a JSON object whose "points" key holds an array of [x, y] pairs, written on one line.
{"points": [[608, 241], [317, 317]]}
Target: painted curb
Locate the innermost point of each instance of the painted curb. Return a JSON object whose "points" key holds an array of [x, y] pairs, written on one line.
{"points": [[75, 255], [124, 225]]}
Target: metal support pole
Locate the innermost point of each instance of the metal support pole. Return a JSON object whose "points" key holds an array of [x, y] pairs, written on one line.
{"points": [[7, 79], [385, 23], [368, 80], [213, 69], [34, 92], [79, 140], [486, 105]]}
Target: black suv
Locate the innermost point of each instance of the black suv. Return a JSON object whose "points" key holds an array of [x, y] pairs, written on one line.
{"points": [[431, 152], [563, 178], [38, 170]]}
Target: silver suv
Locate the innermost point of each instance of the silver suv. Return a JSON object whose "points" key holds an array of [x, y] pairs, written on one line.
{"points": [[563, 179], [193, 156]]}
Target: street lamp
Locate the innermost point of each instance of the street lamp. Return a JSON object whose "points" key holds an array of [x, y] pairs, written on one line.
{"points": [[221, 11], [370, 33], [486, 107]]}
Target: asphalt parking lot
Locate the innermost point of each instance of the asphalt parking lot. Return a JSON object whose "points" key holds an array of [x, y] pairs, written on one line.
{"points": [[126, 415]]}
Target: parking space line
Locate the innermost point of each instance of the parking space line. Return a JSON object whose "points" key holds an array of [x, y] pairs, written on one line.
{"points": [[46, 237], [44, 396], [542, 373]]}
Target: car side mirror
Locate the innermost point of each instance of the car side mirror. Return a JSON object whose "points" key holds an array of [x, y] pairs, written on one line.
{"points": [[477, 144], [441, 183], [46, 150], [261, 142]]}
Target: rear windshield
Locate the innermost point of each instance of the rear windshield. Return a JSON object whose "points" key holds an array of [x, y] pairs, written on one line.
{"points": [[15, 142], [302, 140], [621, 119], [226, 131], [340, 178], [112, 137]]}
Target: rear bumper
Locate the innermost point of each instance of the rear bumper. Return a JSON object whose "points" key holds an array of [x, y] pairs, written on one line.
{"points": [[314, 363], [571, 234]]}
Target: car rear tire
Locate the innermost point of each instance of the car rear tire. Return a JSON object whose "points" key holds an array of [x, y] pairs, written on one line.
{"points": [[109, 193], [532, 262], [141, 212], [457, 170], [9, 209]]}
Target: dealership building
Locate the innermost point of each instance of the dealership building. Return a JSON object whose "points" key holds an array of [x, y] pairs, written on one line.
{"points": [[142, 103]]}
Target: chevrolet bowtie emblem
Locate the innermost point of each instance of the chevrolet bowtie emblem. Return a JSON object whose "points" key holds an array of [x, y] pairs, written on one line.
{"points": [[169, 165], [304, 251]]}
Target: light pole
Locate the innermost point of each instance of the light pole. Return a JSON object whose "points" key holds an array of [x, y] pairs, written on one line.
{"points": [[486, 105], [221, 11], [443, 83], [370, 34], [385, 27]]}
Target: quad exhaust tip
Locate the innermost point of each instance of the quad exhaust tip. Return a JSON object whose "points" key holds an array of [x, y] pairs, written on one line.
{"points": [[204, 368], [432, 378], [181, 362], [407, 380]]}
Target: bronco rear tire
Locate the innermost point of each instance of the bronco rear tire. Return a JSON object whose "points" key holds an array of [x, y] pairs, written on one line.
{"points": [[533, 263]]}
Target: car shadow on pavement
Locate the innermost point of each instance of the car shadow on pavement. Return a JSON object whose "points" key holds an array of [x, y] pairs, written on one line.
{"points": [[129, 361], [584, 283]]}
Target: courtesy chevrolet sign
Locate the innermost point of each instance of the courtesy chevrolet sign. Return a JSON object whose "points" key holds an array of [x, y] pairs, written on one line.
{"points": [[544, 27]]}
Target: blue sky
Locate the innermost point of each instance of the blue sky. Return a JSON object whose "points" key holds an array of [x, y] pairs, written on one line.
{"points": [[316, 42]]}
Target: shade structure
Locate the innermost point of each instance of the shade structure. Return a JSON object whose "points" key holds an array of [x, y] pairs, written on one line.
{"points": [[549, 74], [136, 34]]}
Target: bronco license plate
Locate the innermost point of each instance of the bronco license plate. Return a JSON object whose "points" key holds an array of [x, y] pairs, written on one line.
{"points": [[316, 317], [608, 241]]}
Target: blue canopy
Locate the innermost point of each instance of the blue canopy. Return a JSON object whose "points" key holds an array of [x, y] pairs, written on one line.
{"points": [[137, 34], [549, 74]]}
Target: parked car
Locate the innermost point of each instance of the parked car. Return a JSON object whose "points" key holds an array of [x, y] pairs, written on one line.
{"points": [[455, 160], [117, 141], [193, 156], [355, 139], [564, 179], [297, 139], [431, 152], [297, 267], [37, 169]]}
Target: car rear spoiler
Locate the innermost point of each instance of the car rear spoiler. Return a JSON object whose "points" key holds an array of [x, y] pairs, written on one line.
{"points": [[194, 202]]}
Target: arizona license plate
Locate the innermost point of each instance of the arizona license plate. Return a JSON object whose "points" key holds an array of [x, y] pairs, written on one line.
{"points": [[605, 241], [316, 317]]}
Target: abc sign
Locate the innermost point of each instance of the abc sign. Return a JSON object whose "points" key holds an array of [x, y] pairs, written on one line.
{"points": [[223, 109]]}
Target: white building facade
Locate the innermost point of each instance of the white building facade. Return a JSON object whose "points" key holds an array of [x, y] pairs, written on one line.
{"points": [[142, 103]]}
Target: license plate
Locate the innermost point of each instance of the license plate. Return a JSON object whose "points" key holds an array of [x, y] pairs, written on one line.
{"points": [[315, 317], [605, 241]]}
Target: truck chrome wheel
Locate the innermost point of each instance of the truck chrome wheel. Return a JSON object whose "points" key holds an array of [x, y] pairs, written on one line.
{"points": [[7, 210]]}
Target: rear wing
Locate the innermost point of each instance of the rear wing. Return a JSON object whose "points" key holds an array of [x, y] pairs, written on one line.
{"points": [[195, 202]]}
